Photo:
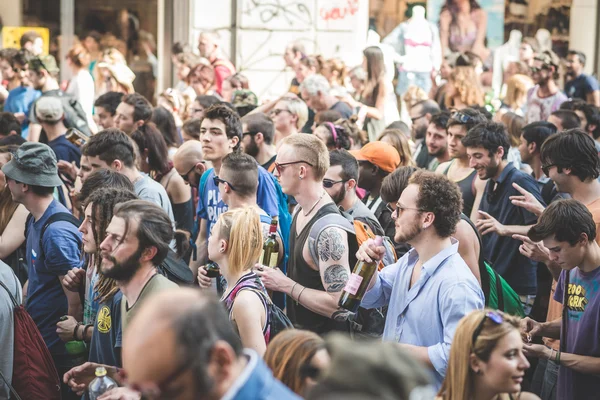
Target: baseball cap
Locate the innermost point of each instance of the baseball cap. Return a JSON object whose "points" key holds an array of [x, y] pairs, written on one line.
{"points": [[381, 154], [49, 108], [244, 98], [33, 164], [46, 62]]}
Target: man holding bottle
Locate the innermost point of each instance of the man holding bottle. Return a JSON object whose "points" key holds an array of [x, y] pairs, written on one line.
{"points": [[431, 288]]}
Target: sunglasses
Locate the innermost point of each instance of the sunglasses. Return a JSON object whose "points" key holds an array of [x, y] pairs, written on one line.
{"points": [[460, 117], [249, 133], [546, 168], [308, 371], [153, 390], [492, 316], [281, 167], [328, 183], [218, 180], [185, 177], [278, 111]]}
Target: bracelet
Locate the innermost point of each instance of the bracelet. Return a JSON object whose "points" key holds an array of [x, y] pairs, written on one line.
{"points": [[85, 331], [298, 301], [292, 291], [75, 330], [557, 357]]}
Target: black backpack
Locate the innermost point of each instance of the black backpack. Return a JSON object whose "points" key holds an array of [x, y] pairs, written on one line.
{"points": [[61, 216], [75, 117], [176, 270]]}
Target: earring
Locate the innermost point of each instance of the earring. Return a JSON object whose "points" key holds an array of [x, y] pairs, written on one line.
{"points": [[300, 177], [478, 372], [221, 250]]}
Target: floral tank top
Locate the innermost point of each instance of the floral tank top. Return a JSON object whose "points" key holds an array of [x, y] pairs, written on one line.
{"points": [[252, 282]]}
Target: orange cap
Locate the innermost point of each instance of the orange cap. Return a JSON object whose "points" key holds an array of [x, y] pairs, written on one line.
{"points": [[381, 154]]}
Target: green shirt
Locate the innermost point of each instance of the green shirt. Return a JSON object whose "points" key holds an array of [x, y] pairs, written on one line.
{"points": [[156, 284]]}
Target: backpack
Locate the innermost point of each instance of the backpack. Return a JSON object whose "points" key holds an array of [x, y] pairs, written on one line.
{"points": [[61, 216], [176, 270], [366, 323], [277, 318], [360, 230], [34, 373], [75, 117], [498, 293]]}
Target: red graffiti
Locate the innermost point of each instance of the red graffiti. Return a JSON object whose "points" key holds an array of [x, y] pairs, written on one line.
{"points": [[339, 13]]}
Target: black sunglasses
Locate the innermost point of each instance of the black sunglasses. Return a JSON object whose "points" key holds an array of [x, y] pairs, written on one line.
{"points": [[308, 371], [328, 183], [492, 316], [460, 117], [185, 177], [249, 133], [546, 168], [218, 180]]}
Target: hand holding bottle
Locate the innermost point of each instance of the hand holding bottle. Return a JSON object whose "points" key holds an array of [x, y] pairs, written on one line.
{"points": [[371, 250]]}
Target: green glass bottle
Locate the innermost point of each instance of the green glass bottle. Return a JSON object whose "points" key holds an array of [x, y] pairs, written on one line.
{"points": [[270, 252]]}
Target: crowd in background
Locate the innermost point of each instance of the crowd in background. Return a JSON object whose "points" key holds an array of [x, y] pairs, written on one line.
{"points": [[113, 200]]}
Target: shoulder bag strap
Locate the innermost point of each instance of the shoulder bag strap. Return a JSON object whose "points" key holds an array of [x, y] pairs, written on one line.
{"points": [[12, 389], [565, 312], [12, 298]]}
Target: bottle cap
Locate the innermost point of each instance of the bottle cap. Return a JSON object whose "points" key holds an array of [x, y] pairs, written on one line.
{"points": [[100, 371]]}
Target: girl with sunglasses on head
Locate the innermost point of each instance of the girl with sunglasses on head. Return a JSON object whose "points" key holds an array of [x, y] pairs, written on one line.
{"points": [[235, 245], [335, 137], [486, 359]]}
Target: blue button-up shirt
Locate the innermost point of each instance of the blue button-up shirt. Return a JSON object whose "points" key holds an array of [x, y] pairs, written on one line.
{"points": [[426, 315]]}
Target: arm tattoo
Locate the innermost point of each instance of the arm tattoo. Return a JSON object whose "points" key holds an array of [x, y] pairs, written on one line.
{"points": [[331, 245], [341, 315], [335, 277]]}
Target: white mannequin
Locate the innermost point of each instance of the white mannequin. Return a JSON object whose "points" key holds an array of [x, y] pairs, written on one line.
{"points": [[544, 39], [505, 54]]}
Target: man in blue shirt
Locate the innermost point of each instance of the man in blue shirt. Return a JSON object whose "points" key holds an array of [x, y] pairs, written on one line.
{"points": [[31, 177], [580, 85], [221, 134], [21, 98], [431, 288], [50, 114], [487, 147]]}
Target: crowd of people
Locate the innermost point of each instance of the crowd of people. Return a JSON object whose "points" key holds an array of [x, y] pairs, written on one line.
{"points": [[132, 229]]}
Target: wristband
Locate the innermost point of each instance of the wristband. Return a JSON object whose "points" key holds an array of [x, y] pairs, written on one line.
{"points": [[85, 331], [75, 330], [292, 291], [557, 357], [302, 291]]}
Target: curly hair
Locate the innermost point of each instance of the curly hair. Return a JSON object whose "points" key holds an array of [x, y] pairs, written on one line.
{"points": [[233, 124], [441, 197], [467, 87]]}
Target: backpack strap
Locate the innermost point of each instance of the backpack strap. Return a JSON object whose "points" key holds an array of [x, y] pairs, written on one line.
{"points": [[12, 389], [196, 227], [12, 298], [61, 216], [334, 220], [483, 274]]}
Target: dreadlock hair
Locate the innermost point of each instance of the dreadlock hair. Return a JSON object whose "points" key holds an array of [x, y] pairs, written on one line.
{"points": [[103, 202]]}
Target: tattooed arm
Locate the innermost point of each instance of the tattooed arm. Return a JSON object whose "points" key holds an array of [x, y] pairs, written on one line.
{"points": [[333, 265]]}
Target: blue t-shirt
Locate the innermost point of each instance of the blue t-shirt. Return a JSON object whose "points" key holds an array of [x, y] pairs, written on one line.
{"points": [[20, 100], [210, 204], [581, 331], [581, 86], [105, 347], [503, 251], [65, 150], [46, 300]]}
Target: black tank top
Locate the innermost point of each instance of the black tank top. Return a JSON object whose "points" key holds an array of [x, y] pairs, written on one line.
{"points": [[299, 271], [467, 190]]}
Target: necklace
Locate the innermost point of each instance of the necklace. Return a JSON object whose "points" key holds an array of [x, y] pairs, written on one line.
{"points": [[314, 205]]}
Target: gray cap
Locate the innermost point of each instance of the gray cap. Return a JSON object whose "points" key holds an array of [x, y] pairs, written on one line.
{"points": [[33, 164], [49, 108]]}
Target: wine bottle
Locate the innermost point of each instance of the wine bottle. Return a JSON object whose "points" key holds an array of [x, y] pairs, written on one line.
{"points": [[358, 282], [270, 252]]}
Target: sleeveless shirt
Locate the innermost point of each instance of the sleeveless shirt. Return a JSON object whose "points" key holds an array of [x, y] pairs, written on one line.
{"points": [[467, 190]]}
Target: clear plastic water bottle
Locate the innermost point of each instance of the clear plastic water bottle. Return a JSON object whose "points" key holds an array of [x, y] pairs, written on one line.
{"points": [[101, 384]]}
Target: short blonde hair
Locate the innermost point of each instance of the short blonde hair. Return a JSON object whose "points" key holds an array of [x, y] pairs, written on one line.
{"points": [[298, 108], [517, 87], [242, 230], [312, 150]]}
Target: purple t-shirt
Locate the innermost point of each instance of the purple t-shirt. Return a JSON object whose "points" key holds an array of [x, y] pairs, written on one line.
{"points": [[582, 332]]}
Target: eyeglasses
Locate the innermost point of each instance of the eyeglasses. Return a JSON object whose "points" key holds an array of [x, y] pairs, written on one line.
{"points": [[328, 183], [185, 177], [218, 180], [278, 111], [493, 316], [249, 133], [153, 390], [281, 167], [416, 118], [18, 70], [460, 117], [546, 168], [197, 110], [400, 209]]}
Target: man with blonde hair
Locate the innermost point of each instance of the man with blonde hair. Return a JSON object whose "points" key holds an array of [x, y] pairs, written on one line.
{"points": [[320, 263]]}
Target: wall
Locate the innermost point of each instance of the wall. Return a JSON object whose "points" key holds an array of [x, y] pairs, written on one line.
{"points": [[335, 28], [582, 36]]}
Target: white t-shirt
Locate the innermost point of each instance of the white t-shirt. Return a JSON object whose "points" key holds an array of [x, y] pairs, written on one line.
{"points": [[7, 327], [81, 86]]}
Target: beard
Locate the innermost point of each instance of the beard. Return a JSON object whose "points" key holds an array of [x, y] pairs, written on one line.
{"points": [[409, 234], [339, 196], [122, 271], [252, 148], [439, 152], [420, 132], [491, 170]]}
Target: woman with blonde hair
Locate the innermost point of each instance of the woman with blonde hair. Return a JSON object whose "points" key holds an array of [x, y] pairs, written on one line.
{"points": [[113, 73], [464, 89], [235, 245], [335, 71], [486, 359], [297, 358], [517, 87], [399, 141]]}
